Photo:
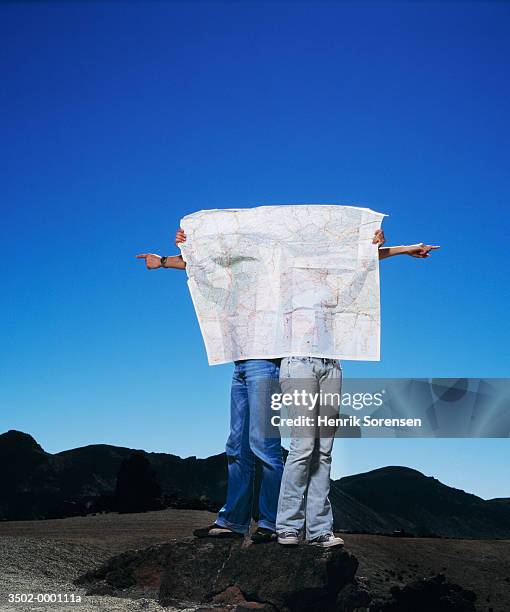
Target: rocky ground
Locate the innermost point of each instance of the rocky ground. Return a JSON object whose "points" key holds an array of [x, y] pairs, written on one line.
{"points": [[47, 556]]}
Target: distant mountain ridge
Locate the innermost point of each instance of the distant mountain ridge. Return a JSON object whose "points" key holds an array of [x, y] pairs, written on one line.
{"points": [[36, 484], [403, 498]]}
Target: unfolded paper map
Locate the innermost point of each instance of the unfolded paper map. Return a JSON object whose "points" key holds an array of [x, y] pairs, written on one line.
{"points": [[275, 281]]}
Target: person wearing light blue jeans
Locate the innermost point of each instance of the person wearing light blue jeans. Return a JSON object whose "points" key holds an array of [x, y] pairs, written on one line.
{"points": [[303, 505]]}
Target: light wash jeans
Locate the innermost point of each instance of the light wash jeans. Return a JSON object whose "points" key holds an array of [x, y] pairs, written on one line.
{"points": [[304, 502], [250, 410]]}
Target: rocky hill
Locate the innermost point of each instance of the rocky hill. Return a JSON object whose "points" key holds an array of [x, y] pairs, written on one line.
{"points": [[37, 484]]}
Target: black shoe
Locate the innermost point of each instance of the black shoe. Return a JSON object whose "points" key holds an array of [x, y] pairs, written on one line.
{"points": [[216, 531], [262, 534]]}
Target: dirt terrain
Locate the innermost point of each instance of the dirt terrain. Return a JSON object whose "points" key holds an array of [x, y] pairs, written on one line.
{"points": [[46, 556]]}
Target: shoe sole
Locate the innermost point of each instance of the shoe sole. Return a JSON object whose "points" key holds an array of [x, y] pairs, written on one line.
{"points": [[219, 535], [288, 543], [325, 544]]}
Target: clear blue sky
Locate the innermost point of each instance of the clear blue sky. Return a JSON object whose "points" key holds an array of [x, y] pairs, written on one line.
{"points": [[120, 118]]}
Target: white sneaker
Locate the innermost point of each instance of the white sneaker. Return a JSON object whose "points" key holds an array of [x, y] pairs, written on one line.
{"points": [[289, 538], [326, 540]]}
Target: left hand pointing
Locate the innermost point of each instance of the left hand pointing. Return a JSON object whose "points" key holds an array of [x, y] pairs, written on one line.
{"points": [[420, 250]]}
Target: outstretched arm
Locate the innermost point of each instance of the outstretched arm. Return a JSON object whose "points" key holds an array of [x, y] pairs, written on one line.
{"points": [[414, 250], [153, 261]]}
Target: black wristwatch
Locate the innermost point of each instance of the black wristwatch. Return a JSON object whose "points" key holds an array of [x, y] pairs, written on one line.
{"points": [[162, 261]]}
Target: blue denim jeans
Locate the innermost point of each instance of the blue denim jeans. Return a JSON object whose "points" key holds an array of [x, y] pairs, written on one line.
{"points": [[250, 411], [304, 495]]}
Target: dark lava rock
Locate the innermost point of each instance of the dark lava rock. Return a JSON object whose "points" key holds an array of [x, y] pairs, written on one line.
{"points": [[230, 572], [132, 573], [428, 594], [354, 596], [307, 578], [233, 597]]}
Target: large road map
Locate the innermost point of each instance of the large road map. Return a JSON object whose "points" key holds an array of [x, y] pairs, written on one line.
{"points": [[275, 281]]}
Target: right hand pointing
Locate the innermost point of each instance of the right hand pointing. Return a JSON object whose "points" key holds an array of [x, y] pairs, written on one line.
{"points": [[152, 261]]}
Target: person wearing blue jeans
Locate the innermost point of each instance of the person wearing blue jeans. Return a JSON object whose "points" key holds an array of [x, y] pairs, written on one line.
{"points": [[249, 415], [250, 406]]}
